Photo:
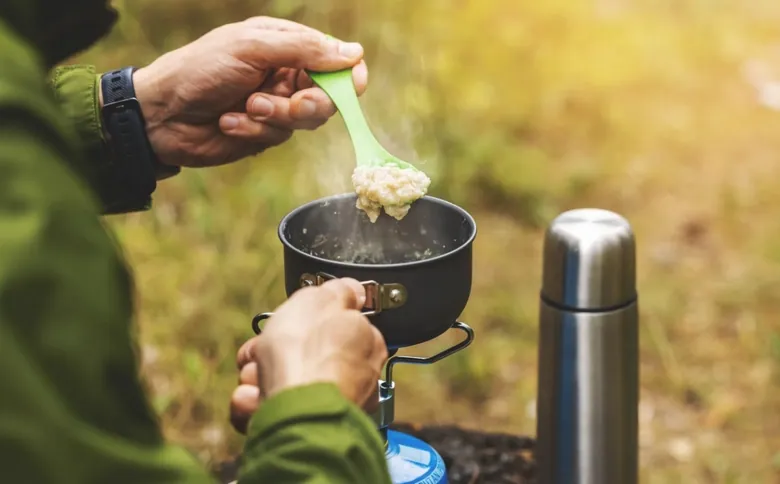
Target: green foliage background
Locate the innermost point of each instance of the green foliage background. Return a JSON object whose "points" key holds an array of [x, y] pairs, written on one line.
{"points": [[518, 111]]}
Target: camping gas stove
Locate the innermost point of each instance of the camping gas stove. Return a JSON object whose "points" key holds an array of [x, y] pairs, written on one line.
{"points": [[410, 460], [417, 277]]}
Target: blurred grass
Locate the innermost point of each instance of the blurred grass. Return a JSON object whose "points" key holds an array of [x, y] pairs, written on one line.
{"points": [[518, 110]]}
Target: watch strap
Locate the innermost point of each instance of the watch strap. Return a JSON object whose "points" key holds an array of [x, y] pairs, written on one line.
{"points": [[135, 169]]}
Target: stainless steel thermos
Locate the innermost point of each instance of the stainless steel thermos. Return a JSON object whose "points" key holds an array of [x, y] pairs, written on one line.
{"points": [[587, 419]]}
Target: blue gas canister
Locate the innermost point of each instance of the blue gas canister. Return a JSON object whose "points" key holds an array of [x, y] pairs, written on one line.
{"points": [[412, 461]]}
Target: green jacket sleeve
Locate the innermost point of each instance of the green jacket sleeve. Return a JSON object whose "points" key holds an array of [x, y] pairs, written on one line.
{"points": [[313, 435], [76, 91]]}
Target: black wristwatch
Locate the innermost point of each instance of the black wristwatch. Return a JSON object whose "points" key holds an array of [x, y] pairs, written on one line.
{"points": [[135, 169]]}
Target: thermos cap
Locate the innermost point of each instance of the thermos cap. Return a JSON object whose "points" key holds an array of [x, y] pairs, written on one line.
{"points": [[589, 261]]}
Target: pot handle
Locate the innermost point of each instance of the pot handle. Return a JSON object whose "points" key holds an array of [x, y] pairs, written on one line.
{"points": [[379, 297], [256, 321], [263, 316]]}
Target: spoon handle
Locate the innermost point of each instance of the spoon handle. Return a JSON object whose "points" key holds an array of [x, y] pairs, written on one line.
{"points": [[340, 88]]}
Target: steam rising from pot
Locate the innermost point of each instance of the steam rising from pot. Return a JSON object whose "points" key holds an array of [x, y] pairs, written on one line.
{"points": [[347, 234], [334, 229]]}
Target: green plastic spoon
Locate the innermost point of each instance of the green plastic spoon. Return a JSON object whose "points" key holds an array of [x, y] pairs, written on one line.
{"points": [[339, 87]]}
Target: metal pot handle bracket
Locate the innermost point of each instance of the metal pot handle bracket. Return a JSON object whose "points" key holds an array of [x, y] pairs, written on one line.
{"points": [[378, 296]]}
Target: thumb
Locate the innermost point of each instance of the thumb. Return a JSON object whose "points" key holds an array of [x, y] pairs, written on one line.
{"points": [[302, 49]]}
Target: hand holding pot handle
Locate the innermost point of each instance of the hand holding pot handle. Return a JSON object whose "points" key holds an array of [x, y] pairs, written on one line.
{"points": [[317, 336], [374, 298]]}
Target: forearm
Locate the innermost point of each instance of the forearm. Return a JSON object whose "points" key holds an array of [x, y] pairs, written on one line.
{"points": [[311, 435]]}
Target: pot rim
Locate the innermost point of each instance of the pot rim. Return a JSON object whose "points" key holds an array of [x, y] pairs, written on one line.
{"points": [[350, 265]]}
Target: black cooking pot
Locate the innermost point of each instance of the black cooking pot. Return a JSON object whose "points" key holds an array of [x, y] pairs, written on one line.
{"points": [[417, 271]]}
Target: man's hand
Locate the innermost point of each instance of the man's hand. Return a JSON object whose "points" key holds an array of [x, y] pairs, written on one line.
{"points": [[318, 335], [239, 90]]}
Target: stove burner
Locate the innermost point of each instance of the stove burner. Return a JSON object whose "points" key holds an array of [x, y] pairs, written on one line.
{"points": [[386, 413], [421, 360], [410, 460]]}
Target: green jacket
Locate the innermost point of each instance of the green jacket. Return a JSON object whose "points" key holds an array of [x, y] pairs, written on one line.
{"points": [[72, 408]]}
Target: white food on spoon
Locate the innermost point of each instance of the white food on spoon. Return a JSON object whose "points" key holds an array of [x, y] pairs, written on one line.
{"points": [[388, 187]]}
